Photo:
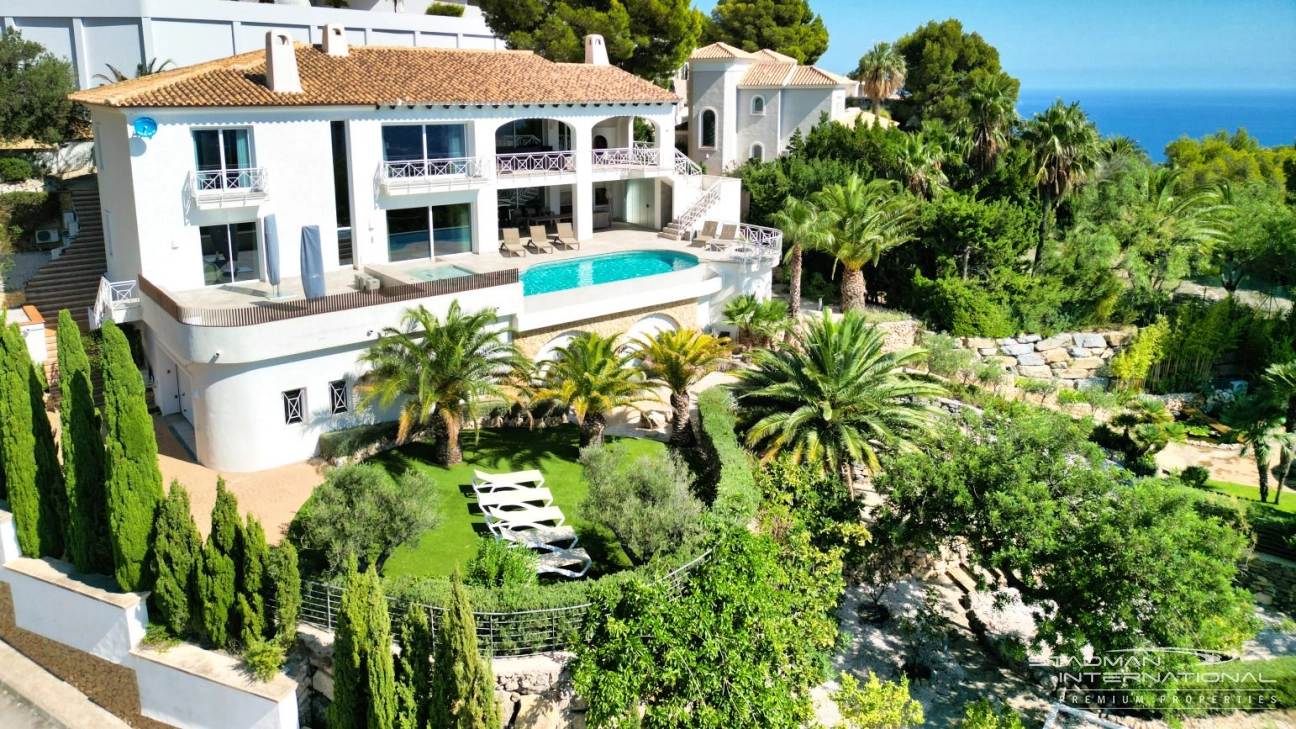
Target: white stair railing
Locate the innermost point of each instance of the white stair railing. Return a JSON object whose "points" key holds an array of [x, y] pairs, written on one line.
{"points": [[686, 166], [113, 297]]}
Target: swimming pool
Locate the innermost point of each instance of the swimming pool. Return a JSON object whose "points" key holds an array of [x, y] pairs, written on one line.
{"points": [[439, 273], [606, 268]]}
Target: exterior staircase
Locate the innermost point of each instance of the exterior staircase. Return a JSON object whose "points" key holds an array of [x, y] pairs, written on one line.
{"points": [[71, 281], [682, 227]]}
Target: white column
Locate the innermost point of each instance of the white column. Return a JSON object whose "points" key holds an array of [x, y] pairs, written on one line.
{"points": [[583, 188]]}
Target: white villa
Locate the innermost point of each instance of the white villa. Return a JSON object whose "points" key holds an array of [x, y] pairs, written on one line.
{"points": [[406, 165], [745, 105]]}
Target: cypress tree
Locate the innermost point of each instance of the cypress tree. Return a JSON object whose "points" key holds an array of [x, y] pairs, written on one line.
{"points": [[216, 588], [177, 562], [83, 454], [414, 670], [285, 589], [18, 441], [133, 481], [463, 689], [254, 556], [363, 681], [49, 474]]}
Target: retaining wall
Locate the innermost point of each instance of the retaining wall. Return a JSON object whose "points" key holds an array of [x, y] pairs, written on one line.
{"points": [[1272, 580], [1072, 359]]}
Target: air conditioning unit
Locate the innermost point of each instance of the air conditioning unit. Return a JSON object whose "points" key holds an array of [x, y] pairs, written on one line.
{"points": [[48, 237], [365, 282]]}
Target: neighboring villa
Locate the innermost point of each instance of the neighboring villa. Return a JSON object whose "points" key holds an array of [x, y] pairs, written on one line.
{"points": [[388, 176], [745, 106], [94, 34]]}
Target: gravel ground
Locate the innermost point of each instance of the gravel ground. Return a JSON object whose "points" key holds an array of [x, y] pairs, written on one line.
{"points": [[25, 265]]}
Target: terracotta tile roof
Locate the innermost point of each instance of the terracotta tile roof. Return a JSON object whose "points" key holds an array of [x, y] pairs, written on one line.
{"points": [[775, 56], [767, 74], [811, 76], [720, 50], [373, 75]]}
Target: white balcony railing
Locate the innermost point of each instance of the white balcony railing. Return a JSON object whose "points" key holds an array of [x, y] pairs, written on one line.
{"points": [[232, 186], [756, 243], [517, 140], [421, 173], [532, 163], [636, 157], [117, 300]]}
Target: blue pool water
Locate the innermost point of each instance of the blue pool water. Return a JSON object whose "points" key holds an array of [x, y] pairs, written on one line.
{"points": [[439, 273], [607, 268]]}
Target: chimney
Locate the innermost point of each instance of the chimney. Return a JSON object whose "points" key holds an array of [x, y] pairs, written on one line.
{"points": [[335, 40], [595, 51], [281, 63]]}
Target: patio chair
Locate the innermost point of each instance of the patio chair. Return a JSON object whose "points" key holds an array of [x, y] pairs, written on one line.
{"points": [[707, 235], [500, 519], [483, 481], [728, 236], [518, 498], [540, 240], [512, 243], [566, 238], [557, 561], [537, 537]]}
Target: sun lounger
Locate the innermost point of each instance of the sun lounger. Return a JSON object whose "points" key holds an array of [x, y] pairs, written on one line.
{"points": [[540, 240], [557, 561], [566, 237], [728, 236], [497, 518], [537, 537], [707, 235], [517, 498], [512, 243], [483, 481]]}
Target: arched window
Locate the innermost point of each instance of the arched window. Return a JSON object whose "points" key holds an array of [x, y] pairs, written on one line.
{"points": [[757, 152], [707, 135], [600, 141], [758, 106]]}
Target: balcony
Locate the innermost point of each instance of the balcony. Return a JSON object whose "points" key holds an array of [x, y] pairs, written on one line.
{"points": [[528, 165], [430, 175], [637, 161], [231, 188]]}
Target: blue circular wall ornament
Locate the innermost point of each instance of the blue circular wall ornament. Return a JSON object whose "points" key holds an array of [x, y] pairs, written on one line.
{"points": [[145, 127]]}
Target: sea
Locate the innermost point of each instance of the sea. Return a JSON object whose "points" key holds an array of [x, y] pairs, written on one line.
{"points": [[1157, 117]]}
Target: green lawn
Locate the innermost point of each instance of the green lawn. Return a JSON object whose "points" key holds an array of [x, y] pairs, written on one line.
{"points": [[1252, 493], [553, 451]]}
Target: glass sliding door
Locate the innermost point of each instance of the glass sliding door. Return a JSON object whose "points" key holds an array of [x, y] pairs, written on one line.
{"points": [[416, 150], [223, 158], [408, 235], [445, 141], [452, 229], [230, 253]]}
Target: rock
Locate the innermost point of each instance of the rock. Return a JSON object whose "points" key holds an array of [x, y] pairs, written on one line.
{"points": [[1042, 372], [1098, 382], [988, 351], [1088, 363], [1078, 352], [979, 343], [534, 712], [1017, 349], [1005, 362], [505, 701], [1006, 341], [1107, 354], [1056, 355], [1089, 341], [1262, 598], [1028, 338], [1074, 374], [323, 683], [1117, 338], [1059, 340], [1030, 360]]}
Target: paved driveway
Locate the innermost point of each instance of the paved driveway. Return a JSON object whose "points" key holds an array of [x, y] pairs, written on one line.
{"points": [[14, 714]]}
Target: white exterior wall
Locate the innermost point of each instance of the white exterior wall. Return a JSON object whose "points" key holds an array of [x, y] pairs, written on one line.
{"points": [[714, 85], [763, 129], [802, 108], [190, 688], [9, 549], [93, 33]]}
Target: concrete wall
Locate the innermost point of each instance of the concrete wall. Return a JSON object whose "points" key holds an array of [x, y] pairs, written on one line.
{"points": [[94, 33]]}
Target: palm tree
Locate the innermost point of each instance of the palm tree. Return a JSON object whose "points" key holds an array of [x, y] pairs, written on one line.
{"points": [[882, 71], [116, 77], [1065, 147], [678, 360], [862, 221], [990, 119], [1281, 380], [833, 398], [1196, 219], [742, 311], [918, 162], [1259, 421], [141, 69], [439, 369], [804, 228], [592, 377], [1149, 425]]}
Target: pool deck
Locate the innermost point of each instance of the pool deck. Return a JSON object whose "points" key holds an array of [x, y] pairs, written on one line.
{"points": [[619, 238]]}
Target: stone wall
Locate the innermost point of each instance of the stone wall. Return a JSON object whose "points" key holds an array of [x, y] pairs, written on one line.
{"points": [[683, 312], [1072, 359], [1272, 580], [898, 335]]}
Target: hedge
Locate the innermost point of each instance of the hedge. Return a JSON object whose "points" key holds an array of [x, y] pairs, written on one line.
{"points": [[1242, 680], [446, 9], [728, 466], [23, 212]]}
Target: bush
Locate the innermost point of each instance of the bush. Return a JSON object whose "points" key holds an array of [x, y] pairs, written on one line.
{"points": [[945, 357], [450, 10], [728, 472], [22, 212], [263, 659], [1223, 685], [361, 511], [983, 715], [15, 169], [350, 441], [496, 564], [963, 309], [645, 501], [1195, 476]]}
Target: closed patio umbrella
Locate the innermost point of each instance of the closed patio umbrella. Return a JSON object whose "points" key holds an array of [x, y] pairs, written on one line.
{"points": [[312, 263], [272, 253]]}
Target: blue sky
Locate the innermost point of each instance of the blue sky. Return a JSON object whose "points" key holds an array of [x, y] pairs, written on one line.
{"points": [[1110, 44]]}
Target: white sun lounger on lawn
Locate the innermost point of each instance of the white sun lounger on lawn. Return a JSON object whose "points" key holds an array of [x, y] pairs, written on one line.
{"points": [[483, 481], [557, 562], [534, 518], [537, 537], [521, 498]]}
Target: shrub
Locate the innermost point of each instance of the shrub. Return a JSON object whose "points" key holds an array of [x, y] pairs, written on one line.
{"points": [[963, 309], [216, 588], [361, 510], [254, 563], [18, 442], [263, 659], [945, 357], [983, 715], [645, 501], [177, 555], [1216, 685], [25, 211], [83, 454], [463, 690], [728, 471], [496, 564], [1130, 367], [1195, 476], [447, 9], [350, 441], [414, 668], [363, 671], [15, 169], [285, 583], [877, 704]]}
